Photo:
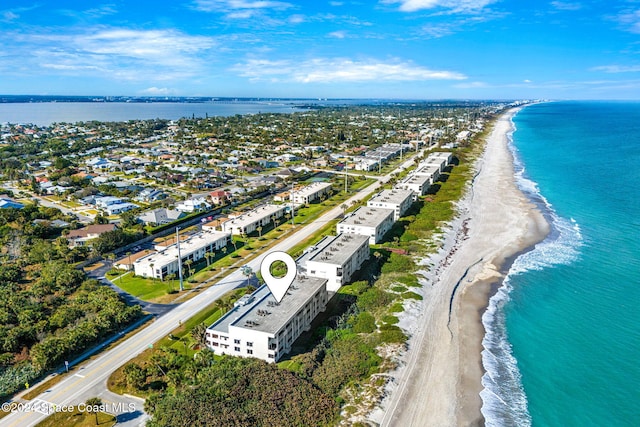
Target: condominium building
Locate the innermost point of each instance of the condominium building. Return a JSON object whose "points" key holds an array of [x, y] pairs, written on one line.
{"points": [[399, 200], [248, 222], [310, 193], [371, 222], [418, 184], [160, 264], [443, 158], [336, 258], [260, 327]]}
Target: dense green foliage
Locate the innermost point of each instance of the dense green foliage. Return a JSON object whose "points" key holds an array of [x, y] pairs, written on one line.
{"points": [[49, 312], [242, 392]]}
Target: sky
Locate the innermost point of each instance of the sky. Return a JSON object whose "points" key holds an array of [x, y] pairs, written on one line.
{"points": [[401, 49]]}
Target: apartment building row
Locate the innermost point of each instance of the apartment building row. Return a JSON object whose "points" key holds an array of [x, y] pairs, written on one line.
{"points": [[426, 173], [260, 327], [249, 222], [193, 248]]}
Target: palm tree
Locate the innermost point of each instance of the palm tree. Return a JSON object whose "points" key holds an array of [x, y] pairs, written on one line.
{"points": [[259, 229], [224, 250], [188, 264], [93, 405], [208, 256], [344, 208], [199, 334]]}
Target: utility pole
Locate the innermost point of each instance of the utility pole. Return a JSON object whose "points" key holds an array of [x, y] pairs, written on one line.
{"points": [[293, 203], [345, 178], [179, 258]]}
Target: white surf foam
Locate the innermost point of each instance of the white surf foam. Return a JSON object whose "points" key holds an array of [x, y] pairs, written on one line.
{"points": [[503, 397]]}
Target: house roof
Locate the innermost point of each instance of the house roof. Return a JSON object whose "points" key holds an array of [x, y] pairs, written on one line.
{"points": [[91, 229]]}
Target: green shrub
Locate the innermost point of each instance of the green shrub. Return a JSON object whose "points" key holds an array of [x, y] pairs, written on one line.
{"points": [[374, 298], [412, 295], [408, 237], [410, 280], [392, 334], [391, 320], [396, 308], [398, 264], [359, 287], [364, 323]]}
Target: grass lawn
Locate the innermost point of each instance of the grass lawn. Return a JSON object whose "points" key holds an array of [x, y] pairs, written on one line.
{"points": [[78, 419], [146, 289], [72, 204]]}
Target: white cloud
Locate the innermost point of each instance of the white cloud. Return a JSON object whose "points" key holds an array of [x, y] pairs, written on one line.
{"points": [[561, 5], [338, 34], [158, 91], [227, 6], [470, 85], [297, 19], [630, 20], [615, 69], [336, 70], [439, 30], [526, 81], [10, 15], [112, 52], [453, 5]]}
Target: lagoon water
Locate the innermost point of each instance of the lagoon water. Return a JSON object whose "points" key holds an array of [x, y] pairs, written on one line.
{"points": [[563, 334], [46, 113]]}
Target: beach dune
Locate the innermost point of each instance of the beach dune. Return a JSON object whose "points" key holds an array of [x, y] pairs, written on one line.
{"points": [[439, 381]]}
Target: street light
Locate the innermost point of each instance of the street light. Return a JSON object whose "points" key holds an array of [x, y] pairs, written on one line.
{"points": [[179, 258]]}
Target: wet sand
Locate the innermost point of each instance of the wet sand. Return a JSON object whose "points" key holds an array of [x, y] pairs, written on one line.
{"points": [[438, 382]]}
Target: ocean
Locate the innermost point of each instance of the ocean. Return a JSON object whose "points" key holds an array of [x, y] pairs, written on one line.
{"points": [[562, 346]]}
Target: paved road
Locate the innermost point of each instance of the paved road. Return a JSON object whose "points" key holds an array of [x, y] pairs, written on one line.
{"points": [[90, 379], [44, 202], [149, 307]]}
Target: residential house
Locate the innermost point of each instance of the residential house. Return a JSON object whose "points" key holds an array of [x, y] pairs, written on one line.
{"points": [[84, 236]]}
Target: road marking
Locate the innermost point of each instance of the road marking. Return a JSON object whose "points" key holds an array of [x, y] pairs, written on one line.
{"points": [[42, 406], [78, 375]]}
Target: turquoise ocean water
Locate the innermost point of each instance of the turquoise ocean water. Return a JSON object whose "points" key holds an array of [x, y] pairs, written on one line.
{"points": [[563, 334]]}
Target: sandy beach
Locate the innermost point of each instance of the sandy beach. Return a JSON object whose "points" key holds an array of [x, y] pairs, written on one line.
{"points": [[439, 377]]}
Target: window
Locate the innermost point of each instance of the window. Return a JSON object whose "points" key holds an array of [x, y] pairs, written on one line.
{"points": [[236, 341], [270, 356], [236, 349], [249, 344], [215, 344], [273, 346], [249, 351]]}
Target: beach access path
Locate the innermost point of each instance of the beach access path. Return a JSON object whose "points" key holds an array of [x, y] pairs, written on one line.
{"points": [[439, 378]]}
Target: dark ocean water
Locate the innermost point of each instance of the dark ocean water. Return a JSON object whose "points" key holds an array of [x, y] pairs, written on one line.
{"points": [[563, 334]]}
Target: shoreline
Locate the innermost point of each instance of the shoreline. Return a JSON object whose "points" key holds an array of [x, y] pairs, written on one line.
{"points": [[438, 381]]}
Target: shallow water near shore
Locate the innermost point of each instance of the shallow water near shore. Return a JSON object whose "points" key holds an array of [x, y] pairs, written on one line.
{"points": [[563, 333]]}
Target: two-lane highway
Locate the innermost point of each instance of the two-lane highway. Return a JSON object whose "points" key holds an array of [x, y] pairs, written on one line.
{"points": [[82, 385]]}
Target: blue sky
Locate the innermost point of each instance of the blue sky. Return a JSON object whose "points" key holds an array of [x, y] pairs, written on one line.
{"points": [[409, 49]]}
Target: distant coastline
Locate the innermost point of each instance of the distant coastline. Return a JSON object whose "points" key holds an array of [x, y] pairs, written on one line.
{"points": [[44, 110]]}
